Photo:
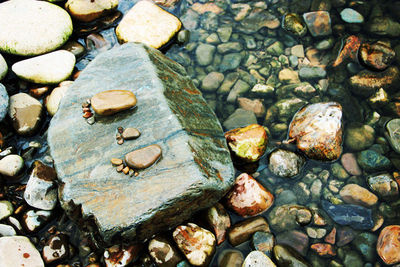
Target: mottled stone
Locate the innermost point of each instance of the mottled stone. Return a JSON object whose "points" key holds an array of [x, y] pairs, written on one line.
{"points": [[317, 130], [196, 243], [19, 251], [248, 143], [355, 216], [163, 252], [318, 23], [388, 244], [348, 50], [29, 28], [384, 185], [25, 112], [358, 195], [33, 220], [219, 220], [149, 24], [289, 217], [377, 56], [285, 163], [190, 136], [230, 258], [392, 134], [41, 189], [258, 259], [242, 231], [87, 11], [294, 24], [248, 197], [264, 242], [56, 249], [295, 239], [366, 82], [112, 101], [324, 250], [371, 161], [121, 255]]}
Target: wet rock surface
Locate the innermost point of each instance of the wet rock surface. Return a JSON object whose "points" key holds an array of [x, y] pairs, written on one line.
{"points": [[207, 177]]}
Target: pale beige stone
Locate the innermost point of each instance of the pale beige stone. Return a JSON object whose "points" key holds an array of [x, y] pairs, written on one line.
{"points": [[85, 10], [19, 251], [54, 99], [149, 24], [112, 101]]}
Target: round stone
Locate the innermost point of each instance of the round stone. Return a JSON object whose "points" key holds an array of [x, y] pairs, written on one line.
{"points": [[349, 15], [25, 112], [113, 101], [87, 11], [285, 163], [19, 251], [130, 133], [359, 137], [144, 157], [51, 68], [388, 244], [358, 195], [54, 99], [11, 165], [29, 28]]}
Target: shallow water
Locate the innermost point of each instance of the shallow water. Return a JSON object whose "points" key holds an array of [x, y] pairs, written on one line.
{"points": [[258, 66]]}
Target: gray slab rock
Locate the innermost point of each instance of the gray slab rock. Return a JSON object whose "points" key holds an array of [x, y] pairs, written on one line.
{"points": [[195, 170]]}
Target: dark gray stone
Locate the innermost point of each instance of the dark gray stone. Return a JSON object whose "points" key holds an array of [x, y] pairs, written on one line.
{"points": [[3, 102], [355, 216], [195, 169]]}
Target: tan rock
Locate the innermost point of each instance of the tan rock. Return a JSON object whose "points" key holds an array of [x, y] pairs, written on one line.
{"points": [[25, 112], [207, 7], [85, 10], [113, 101], [149, 24], [358, 195], [255, 105], [144, 157], [54, 99], [289, 76], [388, 244]]}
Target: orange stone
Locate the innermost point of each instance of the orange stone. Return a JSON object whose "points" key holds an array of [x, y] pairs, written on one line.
{"points": [[113, 101], [388, 245], [324, 250], [248, 197]]}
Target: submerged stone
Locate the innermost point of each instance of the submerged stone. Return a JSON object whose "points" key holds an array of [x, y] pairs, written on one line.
{"points": [[318, 23], [317, 130], [355, 216], [170, 113], [377, 56]]}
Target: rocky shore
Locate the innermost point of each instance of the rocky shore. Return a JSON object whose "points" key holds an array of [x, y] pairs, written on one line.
{"points": [[199, 133]]}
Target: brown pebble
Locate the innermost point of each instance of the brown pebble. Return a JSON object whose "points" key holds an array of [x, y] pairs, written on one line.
{"points": [[120, 141], [84, 110], [76, 75], [120, 168], [130, 133], [116, 161], [120, 130], [144, 157], [87, 115], [136, 174], [112, 101], [125, 170]]}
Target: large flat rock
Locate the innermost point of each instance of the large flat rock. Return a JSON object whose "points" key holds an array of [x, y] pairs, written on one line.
{"points": [[195, 170]]}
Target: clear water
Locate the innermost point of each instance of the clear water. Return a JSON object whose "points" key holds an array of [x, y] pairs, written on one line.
{"points": [[253, 43]]}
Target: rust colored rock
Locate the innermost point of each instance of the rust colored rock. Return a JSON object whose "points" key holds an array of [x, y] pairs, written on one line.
{"points": [[242, 231], [121, 255], [317, 130], [248, 197], [348, 51], [196, 243], [143, 157], [248, 143], [219, 220], [324, 250], [113, 101], [331, 237], [388, 245], [378, 56], [366, 82]]}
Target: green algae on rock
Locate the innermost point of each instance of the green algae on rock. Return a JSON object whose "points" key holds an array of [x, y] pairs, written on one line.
{"points": [[248, 143]]}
